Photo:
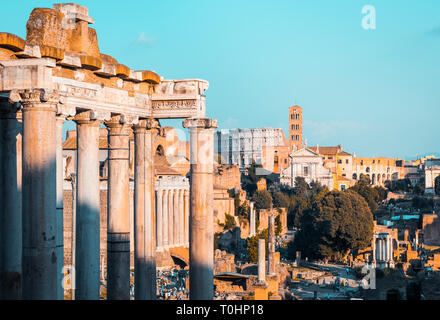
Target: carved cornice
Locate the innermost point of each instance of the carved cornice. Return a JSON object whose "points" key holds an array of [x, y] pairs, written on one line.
{"points": [[201, 123]]}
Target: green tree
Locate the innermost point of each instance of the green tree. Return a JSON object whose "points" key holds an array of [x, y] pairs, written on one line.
{"points": [[301, 187], [278, 225], [252, 245], [229, 222], [370, 194], [262, 199], [335, 224], [280, 200], [437, 185], [249, 181]]}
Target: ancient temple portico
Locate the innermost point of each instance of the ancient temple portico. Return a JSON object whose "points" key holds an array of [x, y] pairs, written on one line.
{"points": [[58, 73]]}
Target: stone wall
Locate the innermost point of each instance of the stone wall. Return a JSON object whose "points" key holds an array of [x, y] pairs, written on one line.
{"points": [[227, 177], [431, 229]]}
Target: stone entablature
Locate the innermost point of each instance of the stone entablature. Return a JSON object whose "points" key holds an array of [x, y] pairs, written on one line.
{"points": [[61, 54]]}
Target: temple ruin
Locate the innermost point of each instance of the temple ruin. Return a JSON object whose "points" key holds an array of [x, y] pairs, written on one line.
{"points": [[56, 74]]}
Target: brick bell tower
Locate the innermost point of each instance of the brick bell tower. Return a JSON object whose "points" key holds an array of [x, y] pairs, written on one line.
{"points": [[295, 128]]}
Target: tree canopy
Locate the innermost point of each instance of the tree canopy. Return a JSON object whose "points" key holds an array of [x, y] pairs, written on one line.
{"points": [[371, 195], [437, 185], [262, 199], [336, 223]]}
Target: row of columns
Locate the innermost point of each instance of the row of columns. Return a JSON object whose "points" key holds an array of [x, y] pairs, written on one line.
{"points": [[172, 218], [383, 249], [31, 257]]}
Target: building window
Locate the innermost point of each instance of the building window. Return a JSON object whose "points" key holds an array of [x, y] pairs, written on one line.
{"points": [[367, 169], [342, 187], [362, 162], [297, 137], [306, 171], [297, 116], [275, 160], [339, 161], [343, 174], [293, 137], [330, 158], [346, 160]]}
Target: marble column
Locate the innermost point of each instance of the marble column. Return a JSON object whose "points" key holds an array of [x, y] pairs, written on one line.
{"points": [[271, 245], [261, 260], [60, 119], [176, 215], [11, 200], [159, 220], [144, 224], [201, 238], [118, 219], [181, 217], [165, 218], [171, 217], [39, 195], [186, 215], [252, 219], [87, 250]]}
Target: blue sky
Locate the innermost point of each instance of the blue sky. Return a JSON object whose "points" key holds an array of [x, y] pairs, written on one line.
{"points": [[376, 92]]}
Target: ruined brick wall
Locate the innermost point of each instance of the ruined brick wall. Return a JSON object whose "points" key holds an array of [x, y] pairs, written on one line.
{"points": [[431, 229], [103, 227], [227, 177]]}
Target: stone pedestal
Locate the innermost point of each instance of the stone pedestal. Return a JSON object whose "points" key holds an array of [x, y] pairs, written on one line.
{"points": [[201, 237]]}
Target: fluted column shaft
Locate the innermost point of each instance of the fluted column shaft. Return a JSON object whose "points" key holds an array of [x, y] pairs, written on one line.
{"points": [[201, 237], [39, 195], [11, 201], [87, 250], [118, 219], [165, 218], [181, 217], [176, 214], [171, 217], [159, 219]]}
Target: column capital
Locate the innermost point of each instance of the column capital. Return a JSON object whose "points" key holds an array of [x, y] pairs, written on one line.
{"points": [[121, 120], [146, 124], [202, 123], [90, 116], [65, 111], [35, 96]]}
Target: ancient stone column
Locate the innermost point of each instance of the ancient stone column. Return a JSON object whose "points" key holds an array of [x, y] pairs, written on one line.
{"points": [[186, 215], [171, 217], [159, 220], [87, 250], [165, 218], [10, 200], [181, 217], [59, 205], [252, 219], [271, 245], [144, 224], [118, 219], [261, 261], [39, 195], [176, 214], [201, 237]]}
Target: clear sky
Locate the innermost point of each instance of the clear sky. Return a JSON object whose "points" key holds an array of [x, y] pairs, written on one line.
{"points": [[376, 92]]}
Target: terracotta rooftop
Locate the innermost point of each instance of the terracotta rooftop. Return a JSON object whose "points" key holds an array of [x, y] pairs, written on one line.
{"points": [[336, 150]]}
